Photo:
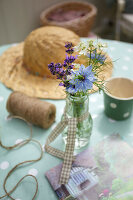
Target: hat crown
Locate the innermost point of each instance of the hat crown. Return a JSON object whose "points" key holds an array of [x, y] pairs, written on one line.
{"points": [[45, 45]]}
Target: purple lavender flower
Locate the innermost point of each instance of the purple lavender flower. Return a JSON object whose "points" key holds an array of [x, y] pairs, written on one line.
{"points": [[57, 70], [70, 51], [68, 45], [68, 72], [70, 59], [51, 68], [59, 65], [61, 84], [65, 83], [60, 76], [69, 48], [70, 67], [51, 65], [65, 64]]}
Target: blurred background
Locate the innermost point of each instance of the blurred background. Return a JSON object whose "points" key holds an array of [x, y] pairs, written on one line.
{"points": [[109, 19]]}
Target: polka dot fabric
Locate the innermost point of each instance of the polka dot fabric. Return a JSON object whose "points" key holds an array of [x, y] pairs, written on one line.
{"points": [[14, 131]]}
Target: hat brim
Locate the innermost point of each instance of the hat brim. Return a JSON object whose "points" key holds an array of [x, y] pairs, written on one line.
{"points": [[14, 76]]}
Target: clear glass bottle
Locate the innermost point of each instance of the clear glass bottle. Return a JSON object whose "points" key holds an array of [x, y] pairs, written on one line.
{"points": [[75, 107]]}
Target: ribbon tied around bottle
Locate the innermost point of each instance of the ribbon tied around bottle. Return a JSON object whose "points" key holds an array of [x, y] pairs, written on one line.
{"points": [[67, 156]]}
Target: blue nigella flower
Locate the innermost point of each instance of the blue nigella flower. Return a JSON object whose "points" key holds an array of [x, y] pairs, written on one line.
{"points": [[71, 89], [100, 58], [83, 80]]}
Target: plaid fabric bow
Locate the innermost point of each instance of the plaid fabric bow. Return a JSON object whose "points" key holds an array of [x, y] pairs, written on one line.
{"points": [[68, 154]]}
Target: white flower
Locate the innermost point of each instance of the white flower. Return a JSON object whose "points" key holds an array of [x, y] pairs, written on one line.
{"points": [[81, 48], [76, 66], [91, 43], [77, 48], [70, 77], [83, 52], [100, 45]]}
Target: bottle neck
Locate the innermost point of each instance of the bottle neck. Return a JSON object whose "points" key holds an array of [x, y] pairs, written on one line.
{"points": [[77, 106]]}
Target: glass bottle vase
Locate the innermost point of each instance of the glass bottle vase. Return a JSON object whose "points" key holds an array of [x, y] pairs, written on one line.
{"points": [[75, 107]]}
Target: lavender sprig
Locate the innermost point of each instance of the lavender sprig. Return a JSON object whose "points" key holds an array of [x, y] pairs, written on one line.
{"points": [[58, 68]]}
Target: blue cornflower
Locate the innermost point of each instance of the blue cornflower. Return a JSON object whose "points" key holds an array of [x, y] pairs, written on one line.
{"points": [[83, 79]]}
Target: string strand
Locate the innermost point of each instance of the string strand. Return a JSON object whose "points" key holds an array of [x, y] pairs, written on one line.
{"points": [[21, 163]]}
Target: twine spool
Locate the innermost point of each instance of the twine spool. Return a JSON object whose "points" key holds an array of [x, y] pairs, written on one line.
{"points": [[34, 111]]}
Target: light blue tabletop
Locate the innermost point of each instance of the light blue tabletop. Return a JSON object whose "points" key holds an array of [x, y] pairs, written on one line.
{"points": [[13, 131]]}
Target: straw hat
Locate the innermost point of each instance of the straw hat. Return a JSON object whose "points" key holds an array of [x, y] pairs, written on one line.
{"points": [[24, 67]]}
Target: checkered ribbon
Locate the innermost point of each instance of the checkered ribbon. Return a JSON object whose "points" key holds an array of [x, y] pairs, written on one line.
{"points": [[67, 156]]}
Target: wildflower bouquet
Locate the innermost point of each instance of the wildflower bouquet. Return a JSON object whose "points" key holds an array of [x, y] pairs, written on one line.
{"points": [[78, 74], [77, 78]]}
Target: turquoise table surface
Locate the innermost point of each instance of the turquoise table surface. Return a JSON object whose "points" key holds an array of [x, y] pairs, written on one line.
{"points": [[14, 130]]}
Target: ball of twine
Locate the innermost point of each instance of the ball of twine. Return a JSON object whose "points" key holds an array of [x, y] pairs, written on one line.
{"points": [[34, 111]]}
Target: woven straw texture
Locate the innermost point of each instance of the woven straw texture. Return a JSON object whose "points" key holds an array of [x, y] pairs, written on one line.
{"points": [[81, 25]]}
